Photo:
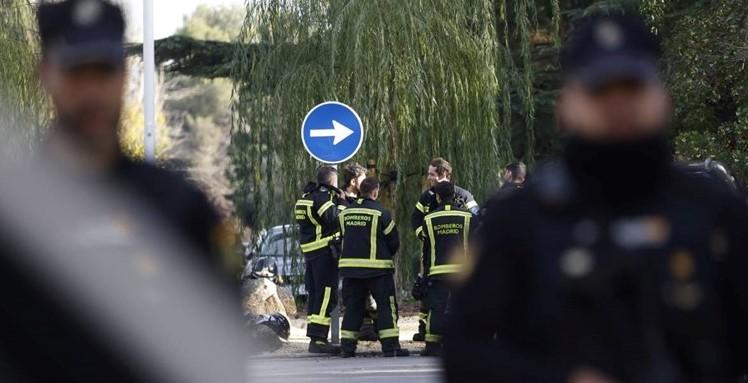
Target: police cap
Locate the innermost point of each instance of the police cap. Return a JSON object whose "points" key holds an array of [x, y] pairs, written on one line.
{"points": [[609, 47], [79, 32]]}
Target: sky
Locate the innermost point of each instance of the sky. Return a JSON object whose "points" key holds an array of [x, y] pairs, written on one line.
{"points": [[168, 15]]}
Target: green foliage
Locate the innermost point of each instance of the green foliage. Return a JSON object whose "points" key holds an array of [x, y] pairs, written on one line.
{"points": [[215, 23], [706, 66], [412, 69], [423, 76], [23, 107], [199, 104]]}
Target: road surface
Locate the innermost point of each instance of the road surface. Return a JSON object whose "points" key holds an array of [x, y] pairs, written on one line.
{"points": [[362, 369]]}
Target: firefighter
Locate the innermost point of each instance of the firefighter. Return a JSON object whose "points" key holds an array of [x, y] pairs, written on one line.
{"points": [[353, 175], [316, 213], [370, 241], [439, 170], [446, 230]]}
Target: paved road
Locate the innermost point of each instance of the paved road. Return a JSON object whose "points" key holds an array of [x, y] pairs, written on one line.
{"points": [[288, 369]]}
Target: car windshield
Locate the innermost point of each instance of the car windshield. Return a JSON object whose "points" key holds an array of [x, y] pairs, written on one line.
{"points": [[278, 245]]}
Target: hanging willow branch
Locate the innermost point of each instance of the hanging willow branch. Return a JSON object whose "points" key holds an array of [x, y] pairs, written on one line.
{"points": [[23, 107], [422, 75], [199, 58]]}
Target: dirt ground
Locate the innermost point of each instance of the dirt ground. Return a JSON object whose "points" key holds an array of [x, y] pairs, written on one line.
{"points": [[408, 323]]}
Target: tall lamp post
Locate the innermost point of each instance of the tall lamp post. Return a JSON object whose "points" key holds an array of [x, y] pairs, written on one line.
{"points": [[149, 79]]}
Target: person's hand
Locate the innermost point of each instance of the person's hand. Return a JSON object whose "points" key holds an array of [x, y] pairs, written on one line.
{"points": [[588, 375]]}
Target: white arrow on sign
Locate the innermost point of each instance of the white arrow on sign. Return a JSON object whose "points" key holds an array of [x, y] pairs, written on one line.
{"points": [[339, 131]]}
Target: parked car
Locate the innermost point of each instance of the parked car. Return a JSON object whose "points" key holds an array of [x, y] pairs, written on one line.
{"points": [[281, 244]]}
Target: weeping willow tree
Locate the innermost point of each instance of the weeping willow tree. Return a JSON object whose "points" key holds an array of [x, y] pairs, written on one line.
{"points": [[22, 105], [429, 78]]}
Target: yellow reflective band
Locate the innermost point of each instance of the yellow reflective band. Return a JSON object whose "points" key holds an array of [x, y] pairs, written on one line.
{"points": [[363, 210], [432, 241], [367, 263], [419, 230], [389, 333], [341, 223], [320, 320], [466, 234], [423, 316], [444, 269], [303, 202], [393, 309], [451, 213], [428, 322], [431, 338], [471, 205], [317, 226], [420, 207], [316, 245], [324, 207], [373, 238], [325, 302], [389, 228], [346, 334]]}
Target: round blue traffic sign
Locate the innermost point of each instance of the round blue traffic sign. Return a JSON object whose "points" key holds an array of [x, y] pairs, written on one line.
{"points": [[332, 132]]}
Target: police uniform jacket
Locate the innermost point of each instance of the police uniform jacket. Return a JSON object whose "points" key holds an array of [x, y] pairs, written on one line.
{"points": [[648, 286], [316, 213], [370, 240]]}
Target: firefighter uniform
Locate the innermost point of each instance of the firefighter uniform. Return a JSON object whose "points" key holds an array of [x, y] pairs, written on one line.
{"points": [[446, 231], [370, 241], [316, 213], [427, 203]]}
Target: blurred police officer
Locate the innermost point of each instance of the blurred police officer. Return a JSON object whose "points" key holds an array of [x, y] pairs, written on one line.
{"points": [[593, 277], [446, 229], [83, 71], [370, 241], [317, 215], [45, 336], [439, 170]]}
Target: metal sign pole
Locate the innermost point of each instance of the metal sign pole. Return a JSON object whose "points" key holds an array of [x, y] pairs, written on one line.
{"points": [[149, 82], [335, 314]]}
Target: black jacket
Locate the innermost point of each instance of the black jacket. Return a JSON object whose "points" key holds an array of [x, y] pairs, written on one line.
{"points": [[316, 213], [446, 230], [651, 291], [427, 203], [370, 240]]}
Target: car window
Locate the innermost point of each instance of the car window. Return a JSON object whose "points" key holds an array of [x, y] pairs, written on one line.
{"points": [[278, 246]]}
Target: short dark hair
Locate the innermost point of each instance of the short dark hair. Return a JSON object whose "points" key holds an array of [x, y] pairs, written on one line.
{"points": [[445, 190], [368, 186], [518, 170], [351, 172], [325, 174], [443, 168]]}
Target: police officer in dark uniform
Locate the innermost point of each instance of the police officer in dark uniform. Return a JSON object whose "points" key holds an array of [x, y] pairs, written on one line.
{"points": [[370, 241], [613, 264], [446, 229], [82, 70], [317, 215], [439, 170]]}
